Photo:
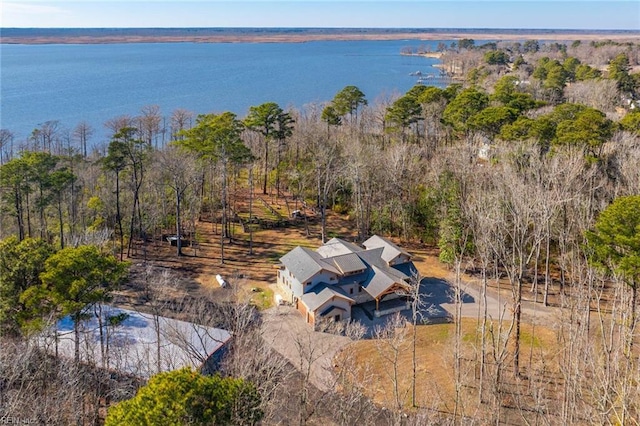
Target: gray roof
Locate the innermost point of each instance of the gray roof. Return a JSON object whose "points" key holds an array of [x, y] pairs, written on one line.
{"points": [[373, 257], [344, 258], [337, 247], [381, 280], [381, 275], [321, 295], [348, 263], [304, 263], [391, 251]]}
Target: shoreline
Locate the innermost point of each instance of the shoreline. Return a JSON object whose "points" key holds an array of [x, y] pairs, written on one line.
{"points": [[433, 55], [291, 37]]}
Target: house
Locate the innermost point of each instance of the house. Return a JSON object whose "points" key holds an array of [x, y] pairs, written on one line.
{"points": [[136, 343], [328, 281]]}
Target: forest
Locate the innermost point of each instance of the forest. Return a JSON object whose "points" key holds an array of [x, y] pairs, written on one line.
{"points": [[521, 175]]}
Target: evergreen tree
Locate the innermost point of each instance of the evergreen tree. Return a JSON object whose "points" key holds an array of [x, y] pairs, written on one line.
{"points": [[185, 397]]}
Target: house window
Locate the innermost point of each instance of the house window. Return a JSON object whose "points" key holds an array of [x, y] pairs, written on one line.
{"points": [[351, 290], [359, 289]]}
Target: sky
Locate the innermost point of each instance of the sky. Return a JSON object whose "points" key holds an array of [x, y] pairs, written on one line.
{"points": [[526, 14]]}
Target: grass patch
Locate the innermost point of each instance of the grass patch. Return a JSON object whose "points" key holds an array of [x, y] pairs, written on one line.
{"points": [[438, 333], [529, 340], [274, 256], [435, 357], [263, 298]]}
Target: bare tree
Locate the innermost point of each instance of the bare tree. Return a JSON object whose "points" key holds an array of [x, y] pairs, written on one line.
{"points": [[117, 124], [6, 145], [149, 124], [45, 137], [390, 342], [82, 133], [181, 119], [181, 171], [327, 159]]}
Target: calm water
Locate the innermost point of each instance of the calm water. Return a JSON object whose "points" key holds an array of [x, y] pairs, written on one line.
{"points": [[94, 83]]}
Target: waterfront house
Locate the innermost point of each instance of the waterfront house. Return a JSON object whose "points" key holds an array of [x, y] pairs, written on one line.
{"points": [[328, 281]]}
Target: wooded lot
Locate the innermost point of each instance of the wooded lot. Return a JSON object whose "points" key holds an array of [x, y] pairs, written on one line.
{"points": [[522, 175]]}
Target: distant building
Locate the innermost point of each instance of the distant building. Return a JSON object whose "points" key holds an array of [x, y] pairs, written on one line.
{"points": [[327, 282], [137, 344]]}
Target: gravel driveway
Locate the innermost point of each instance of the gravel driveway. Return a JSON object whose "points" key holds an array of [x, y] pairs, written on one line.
{"points": [[312, 352]]}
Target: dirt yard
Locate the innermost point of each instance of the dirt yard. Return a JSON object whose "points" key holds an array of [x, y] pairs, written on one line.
{"points": [[251, 268]]}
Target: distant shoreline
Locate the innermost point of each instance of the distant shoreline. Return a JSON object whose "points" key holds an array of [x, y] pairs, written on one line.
{"points": [[433, 55], [268, 35]]}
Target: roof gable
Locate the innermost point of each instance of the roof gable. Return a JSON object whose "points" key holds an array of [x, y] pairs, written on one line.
{"points": [[313, 300], [382, 279], [304, 263], [337, 247], [390, 250]]}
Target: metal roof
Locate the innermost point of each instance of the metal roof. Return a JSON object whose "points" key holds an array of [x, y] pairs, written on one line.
{"points": [[391, 251], [373, 257], [322, 294], [380, 281], [369, 267], [336, 247], [304, 263], [348, 263]]}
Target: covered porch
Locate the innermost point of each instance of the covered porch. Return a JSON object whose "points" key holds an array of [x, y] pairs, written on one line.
{"points": [[396, 289]]}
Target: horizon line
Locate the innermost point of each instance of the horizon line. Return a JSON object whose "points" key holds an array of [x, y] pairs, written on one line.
{"points": [[333, 28]]}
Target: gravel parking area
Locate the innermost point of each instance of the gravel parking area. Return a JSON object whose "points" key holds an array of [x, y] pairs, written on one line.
{"points": [[310, 351]]}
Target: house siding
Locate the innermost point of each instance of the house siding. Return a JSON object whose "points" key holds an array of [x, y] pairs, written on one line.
{"points": [[355, 292], [337, 302], [295, 289], [283, 283], [302, 308], [322, 277]]}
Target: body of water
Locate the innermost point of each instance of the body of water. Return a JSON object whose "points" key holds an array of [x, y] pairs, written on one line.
{"points": [[94, 83]]}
